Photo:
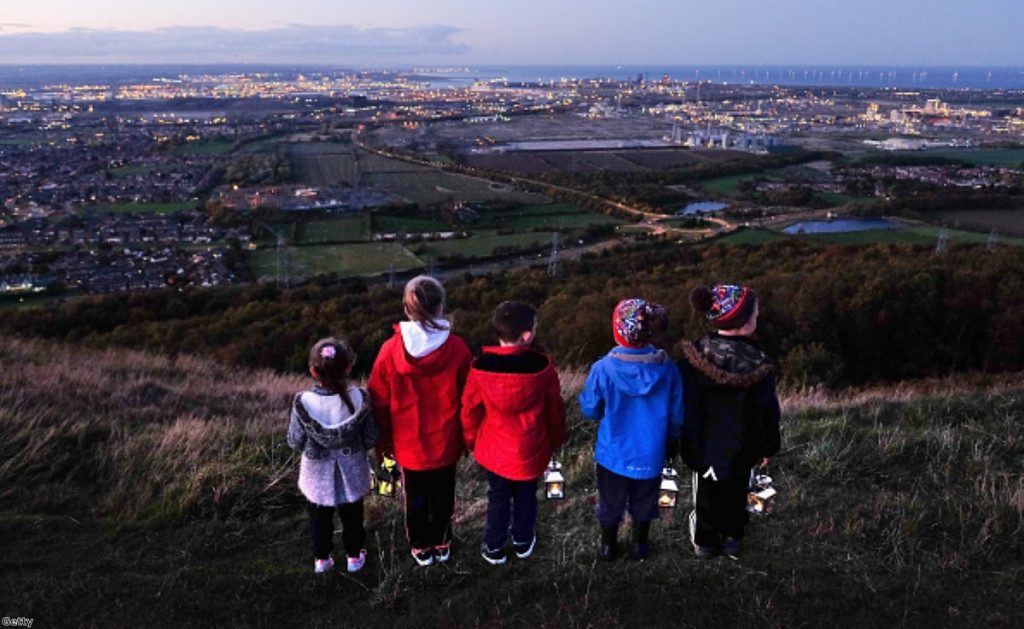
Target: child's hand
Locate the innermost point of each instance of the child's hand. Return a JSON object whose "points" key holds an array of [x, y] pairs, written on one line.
{"points": [[764, 461]]}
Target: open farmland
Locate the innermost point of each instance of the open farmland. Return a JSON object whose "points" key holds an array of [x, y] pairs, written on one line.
{"points": [[550, 216], [345, 260], [1010, 222], [482, 244], [343, 229], [322, 163], [583, 162]]}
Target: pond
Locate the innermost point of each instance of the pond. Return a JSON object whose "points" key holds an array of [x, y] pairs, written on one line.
{"points": [[702, 207], [843, 225]]}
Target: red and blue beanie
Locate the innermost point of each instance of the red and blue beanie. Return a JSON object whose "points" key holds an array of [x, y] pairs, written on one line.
{"points": [[726, 306], [634, 322]]}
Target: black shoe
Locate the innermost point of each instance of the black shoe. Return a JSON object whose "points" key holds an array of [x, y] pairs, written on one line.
{"points": [[705, 552], [731, 547], [608, 548], [493, 557], [641, 551], [524, 550]]}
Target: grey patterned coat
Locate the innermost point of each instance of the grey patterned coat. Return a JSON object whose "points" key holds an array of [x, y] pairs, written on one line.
{"points": [[334, 468]]}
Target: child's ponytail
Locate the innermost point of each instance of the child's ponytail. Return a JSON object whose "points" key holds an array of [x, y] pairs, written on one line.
{"points": [[332, 360]]}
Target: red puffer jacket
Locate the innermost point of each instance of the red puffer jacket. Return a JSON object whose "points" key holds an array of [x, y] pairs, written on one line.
{"points": [[512, 422], [416, 402]]}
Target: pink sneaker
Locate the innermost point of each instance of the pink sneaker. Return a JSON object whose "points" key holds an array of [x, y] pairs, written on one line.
{"points": [[355, 564], [323, 565]]}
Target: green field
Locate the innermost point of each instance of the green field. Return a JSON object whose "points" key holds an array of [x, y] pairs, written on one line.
{"points": [[551, 216], [146, 208], [128, 171], [1006, 222], [835, 199], [915, 235], [344, 229], [322, 163], [212, 147], [750, 236], [728, 186], [384, 222], [483, 244], [345, 260], [1007, 158]]}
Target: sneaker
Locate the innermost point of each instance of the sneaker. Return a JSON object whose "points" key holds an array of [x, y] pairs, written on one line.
{"points": [[704, 552], [323, 565], [731, 547], [526, 549], [442, 553], [608, 552], [641, 551], [493, 557], [423, 556], [355, 564]]}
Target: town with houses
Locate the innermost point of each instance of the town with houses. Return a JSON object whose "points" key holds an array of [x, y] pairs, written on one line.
{"points": [[140, 184]]}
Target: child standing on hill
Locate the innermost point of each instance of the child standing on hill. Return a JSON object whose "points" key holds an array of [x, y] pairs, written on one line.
{"points": [[416, 385], [333, 427], [733, 416], [636, 393], [513, 418]]}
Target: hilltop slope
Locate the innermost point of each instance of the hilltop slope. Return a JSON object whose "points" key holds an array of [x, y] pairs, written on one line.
{"points": [[152, 491]]}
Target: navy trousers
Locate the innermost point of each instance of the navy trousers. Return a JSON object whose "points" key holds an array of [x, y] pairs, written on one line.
{"points": [[617, 493], [510, 501]]}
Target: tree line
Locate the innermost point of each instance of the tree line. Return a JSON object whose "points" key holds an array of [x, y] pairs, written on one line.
{"points": [[835, 314]]}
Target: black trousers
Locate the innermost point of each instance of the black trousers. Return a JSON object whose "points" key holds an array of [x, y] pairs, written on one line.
{"points": [[321, 528], [429, 504], [510, 502], [721, 509]]}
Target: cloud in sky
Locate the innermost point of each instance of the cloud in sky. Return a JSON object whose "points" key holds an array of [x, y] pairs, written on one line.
{"points": [[294, 43]]}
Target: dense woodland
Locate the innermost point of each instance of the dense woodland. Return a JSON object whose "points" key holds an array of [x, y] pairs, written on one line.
{"points": [[835, 314]]}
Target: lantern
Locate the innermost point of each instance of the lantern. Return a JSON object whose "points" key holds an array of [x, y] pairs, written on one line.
{"points": [[388, 477], [668, 494], [761, 496], [554, 482]]}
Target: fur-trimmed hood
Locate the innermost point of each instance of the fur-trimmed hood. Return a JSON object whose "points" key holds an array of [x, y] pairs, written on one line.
{"points": [[730, 361]]}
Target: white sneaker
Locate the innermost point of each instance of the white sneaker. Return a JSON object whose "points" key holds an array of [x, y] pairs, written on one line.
{"points": [[355, 564], [323, 565]]}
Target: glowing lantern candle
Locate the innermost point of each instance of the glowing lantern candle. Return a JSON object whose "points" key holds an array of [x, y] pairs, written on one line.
{"points": [[668, 494], [554, 482]]}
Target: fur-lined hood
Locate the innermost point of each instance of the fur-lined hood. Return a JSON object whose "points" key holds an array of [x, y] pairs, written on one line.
{"points": [[730, 361]]}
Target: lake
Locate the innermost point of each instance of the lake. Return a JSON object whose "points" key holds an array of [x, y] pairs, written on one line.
{"points": [[702, 207], [843, 225]]}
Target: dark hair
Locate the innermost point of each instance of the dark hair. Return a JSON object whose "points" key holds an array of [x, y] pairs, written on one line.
{"points": [[512, 318], [331, 359], [424, 301]]}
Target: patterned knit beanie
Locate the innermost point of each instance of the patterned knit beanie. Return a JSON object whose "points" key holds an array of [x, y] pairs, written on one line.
{"points": [[634, 322], [726, 306]]}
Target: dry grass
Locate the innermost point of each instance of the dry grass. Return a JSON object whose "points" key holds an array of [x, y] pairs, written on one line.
{"points": [[163, 491]]}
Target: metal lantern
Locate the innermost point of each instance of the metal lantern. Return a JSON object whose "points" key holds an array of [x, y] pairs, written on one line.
{"points": [[668, 494], [761, 496], [554, 482], [388, 478]]}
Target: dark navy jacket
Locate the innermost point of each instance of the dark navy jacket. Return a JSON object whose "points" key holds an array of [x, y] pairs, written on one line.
{"points": [[732, 411]]}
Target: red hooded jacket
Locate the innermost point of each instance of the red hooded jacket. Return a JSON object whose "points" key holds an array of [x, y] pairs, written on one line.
{"points": [[416, 402], [512, 422]]}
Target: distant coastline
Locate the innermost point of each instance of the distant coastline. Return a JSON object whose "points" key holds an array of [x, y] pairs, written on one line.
{"points": [[908, 77]]}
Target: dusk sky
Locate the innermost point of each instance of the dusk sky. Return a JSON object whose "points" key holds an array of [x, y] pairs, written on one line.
{"points": [[532, 32]]}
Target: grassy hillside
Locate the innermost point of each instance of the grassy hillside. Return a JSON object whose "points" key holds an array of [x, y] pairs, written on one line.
{"points": [[152, 491]]}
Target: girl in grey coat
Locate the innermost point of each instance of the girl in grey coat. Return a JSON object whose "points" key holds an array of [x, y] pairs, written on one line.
{"points": [[333, 425]]}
